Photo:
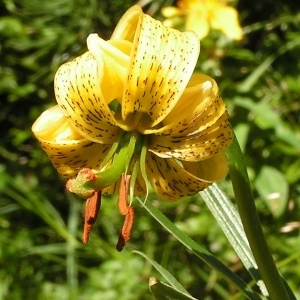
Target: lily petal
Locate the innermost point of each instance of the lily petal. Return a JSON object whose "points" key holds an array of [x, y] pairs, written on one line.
{"points": [[172, 181], [200, 100], [161, 64], [170, 11], [199, 146], [225, 19], [68, 151], [198, 126], [85, 87], [197, 21], [113, 59]]}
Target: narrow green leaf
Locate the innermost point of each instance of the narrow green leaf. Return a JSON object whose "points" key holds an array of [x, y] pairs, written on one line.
{"points": [[163, 291], [167, 275], [250, 81], [199, 251], [229, 220]]}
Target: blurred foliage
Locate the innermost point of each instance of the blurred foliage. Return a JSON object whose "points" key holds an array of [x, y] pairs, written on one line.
{"points": [[41, 256]]}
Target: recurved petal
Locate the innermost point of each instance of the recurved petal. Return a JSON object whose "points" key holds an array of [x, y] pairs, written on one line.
{"points": [[161, 64], [126, 27], [85, 86], [173, 179], [112, 57], [195, 147], [68, 151], [198, 108], [197, 127]]}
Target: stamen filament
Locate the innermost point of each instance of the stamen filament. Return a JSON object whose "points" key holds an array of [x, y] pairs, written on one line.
{"points": [[123, 194], [110, 154], [134, 174], [143, 166]]}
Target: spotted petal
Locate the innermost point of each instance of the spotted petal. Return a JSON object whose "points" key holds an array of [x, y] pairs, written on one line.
{"points": [[85, 87], [199, 100], [161, 64], [68, 151], [172, 179], [197, 127], [197, 147]]}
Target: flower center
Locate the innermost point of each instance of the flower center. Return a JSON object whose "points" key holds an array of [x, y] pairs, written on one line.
{"points": [[127, 156], [123, 164]]}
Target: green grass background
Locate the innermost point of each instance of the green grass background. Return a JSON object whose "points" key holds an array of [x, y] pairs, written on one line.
{"points": [[41, 255]]}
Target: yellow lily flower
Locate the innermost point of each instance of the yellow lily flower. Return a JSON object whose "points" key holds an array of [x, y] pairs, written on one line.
{"points": [[132, 105], [200, 15]]}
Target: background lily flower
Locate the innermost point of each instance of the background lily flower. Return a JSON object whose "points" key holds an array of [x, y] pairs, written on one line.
{"points": [[138, 89], [200, 15]]}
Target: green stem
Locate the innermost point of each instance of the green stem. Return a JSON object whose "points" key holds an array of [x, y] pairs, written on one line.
{"points": [[251, 223]]}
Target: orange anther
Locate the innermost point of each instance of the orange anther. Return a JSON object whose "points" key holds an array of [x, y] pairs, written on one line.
{"points": [[125, 234], [91, 212]]}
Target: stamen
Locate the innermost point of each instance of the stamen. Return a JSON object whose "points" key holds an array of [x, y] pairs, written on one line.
{"points": [[133, 181], [123, 194], [143, 167], [125, 234], [91, 212]]}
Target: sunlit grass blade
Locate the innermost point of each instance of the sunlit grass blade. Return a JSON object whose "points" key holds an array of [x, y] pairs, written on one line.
{"points": [[166, 274], [250, 81], [161, 291], [229, 220], [202, 253]]}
